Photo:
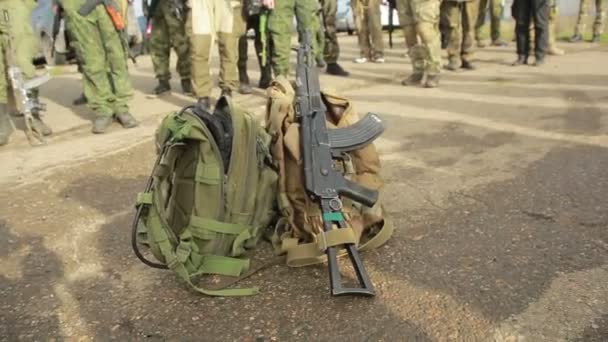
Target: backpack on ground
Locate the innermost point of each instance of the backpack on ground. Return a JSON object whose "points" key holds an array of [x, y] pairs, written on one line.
{"points": [[210, 196], [299, 231]]}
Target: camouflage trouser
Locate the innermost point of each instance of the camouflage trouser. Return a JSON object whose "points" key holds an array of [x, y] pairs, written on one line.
{"points": [[168, 31], [369, 28], [318, 30], [22, 40], [461, 17], [420, 19], [331, 48], [496, 11], [598, 24], [227, 42], [107, 86], [280, 25]]}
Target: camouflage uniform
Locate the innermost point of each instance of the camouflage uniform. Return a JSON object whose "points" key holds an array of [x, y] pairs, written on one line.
{"points": [[369, 29], [107, 86], [420, 20], [598, 24], [496, 11], [331, 48], [280, 25], [461, 16], [169, 31], [220, 14], [318, 43], [24, 46]]}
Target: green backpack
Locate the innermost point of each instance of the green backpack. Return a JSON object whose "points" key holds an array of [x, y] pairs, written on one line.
{"points": [[210, 196]]}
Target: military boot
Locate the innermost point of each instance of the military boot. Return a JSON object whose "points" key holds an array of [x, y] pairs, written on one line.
{"points": [[576, 38], [432, 81], [336, 70], [413, 79], [6, 128], [81, 100], [39, 126], [596, 38], [265, 77], [127, 120], [186, 86], [244, 86], [521, 60], [101, 123], [162, 87], [555, 51], [452, 65], [467, 65]]}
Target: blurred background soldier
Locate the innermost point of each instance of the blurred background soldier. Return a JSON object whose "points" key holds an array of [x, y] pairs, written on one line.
{"points": [[318, 42], [210, 21], [420, 19], [103, 50], [461, 16], [524, 11], [280, 24], [168, 30], [552, 48], [369, 30], [331, 48], [253, 12], [496, 9], [16, 30], [598, 24]]}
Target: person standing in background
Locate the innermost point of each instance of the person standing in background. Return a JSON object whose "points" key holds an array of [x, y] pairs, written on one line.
{"points": [[524, 12], [169, 31], [210, 21], [331, 48], [369, 30], [420, 20], [598, 24], [496, 8], [461, 16]]}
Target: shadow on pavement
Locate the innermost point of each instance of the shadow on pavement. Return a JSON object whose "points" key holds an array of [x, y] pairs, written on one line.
{"points": [[29, 304]]}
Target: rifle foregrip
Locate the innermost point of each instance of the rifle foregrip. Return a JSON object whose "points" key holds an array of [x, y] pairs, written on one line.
{"points": [[356, 136], [88, 7], [358, 193]]}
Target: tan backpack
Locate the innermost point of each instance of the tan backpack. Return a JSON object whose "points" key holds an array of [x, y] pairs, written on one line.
{"points": [[298, 231]]}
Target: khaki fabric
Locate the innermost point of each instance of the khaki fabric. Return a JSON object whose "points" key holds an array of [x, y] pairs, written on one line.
{"points": [[420, 22], [461, 17], [201, 47], [600, 15], [299, 231], [369, 28]]}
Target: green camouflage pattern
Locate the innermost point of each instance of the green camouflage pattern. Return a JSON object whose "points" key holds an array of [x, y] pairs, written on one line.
{"points": [[280, 24], [168, 32], [420, 22], [331, 48], [106, 82]]}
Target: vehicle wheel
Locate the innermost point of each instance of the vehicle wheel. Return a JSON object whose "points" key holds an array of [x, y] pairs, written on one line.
{"points": [[47, 50]]}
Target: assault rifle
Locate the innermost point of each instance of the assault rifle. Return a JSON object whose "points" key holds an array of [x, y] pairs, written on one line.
{"points": [[117, 19], [321, 148], [392, 5], [23, 90]]}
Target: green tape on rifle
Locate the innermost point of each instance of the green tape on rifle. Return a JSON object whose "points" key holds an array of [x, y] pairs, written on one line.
{"points": [[335, 216]]}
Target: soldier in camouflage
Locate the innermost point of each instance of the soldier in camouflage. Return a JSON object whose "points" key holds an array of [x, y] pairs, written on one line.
{"points": [[496, 11], [369, 30], [107, 86], [420, 22], [461, 16], [331, 48], [598, 24], [14, 27], [169, 31]]}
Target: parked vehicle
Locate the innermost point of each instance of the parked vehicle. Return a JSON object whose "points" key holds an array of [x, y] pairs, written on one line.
{"points": [[345, 19], [55, 47]]}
